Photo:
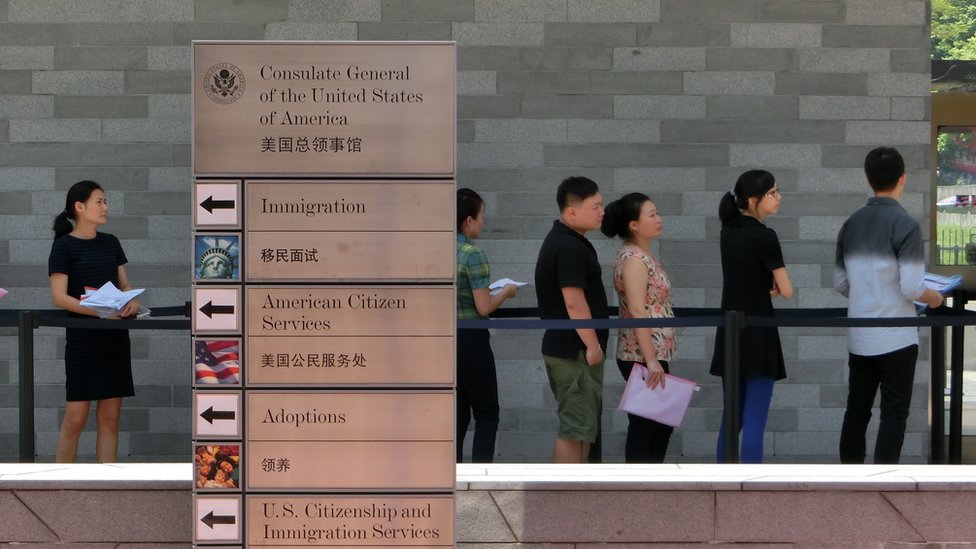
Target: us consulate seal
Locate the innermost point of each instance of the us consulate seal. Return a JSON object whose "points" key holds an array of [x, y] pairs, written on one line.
{"points": [[224, 83]]}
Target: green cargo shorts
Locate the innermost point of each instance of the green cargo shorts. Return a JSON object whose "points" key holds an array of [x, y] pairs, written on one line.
{"points": [[578, 389]]}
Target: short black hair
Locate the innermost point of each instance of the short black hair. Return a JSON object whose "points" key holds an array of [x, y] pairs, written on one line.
{"points": [[883, 167], [573, 189]]}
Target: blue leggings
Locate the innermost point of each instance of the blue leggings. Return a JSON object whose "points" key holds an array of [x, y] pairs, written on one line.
{"points": [[755, 394]]}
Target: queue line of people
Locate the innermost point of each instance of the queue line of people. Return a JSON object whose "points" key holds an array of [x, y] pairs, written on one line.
{"points": [[879, 266]]}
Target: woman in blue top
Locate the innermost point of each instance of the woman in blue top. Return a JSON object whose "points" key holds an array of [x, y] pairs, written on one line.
{"points": [[96, 362], [753, 273], [477, 383]]}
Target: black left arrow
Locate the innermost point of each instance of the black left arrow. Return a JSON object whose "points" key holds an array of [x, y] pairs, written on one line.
{"points": [[210, 415], [210, 309], [212, 519], [210, 204]]}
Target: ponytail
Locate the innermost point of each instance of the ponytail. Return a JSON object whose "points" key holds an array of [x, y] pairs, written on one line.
{"points": [[728, 209], [61, 225]]}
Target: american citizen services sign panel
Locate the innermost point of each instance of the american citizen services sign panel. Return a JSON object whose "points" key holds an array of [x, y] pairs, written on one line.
{"points": [[323, 294]]}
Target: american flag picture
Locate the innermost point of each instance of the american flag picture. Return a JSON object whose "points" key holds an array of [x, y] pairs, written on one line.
{"points": [[217, 361]]}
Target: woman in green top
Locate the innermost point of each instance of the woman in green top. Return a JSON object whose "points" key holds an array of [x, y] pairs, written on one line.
{"points": [[477, 383]]}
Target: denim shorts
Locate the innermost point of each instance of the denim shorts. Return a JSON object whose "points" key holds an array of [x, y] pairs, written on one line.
{"points": [[578, 389]]}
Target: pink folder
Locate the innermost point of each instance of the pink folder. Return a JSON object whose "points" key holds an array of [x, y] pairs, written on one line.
{"points": [[665, 405]]}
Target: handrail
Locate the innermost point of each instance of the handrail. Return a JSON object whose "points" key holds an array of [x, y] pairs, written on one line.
{"points": [[937, 320], [515, 318]]}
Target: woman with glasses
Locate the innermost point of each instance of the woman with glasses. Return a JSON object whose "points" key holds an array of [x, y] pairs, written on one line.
{"points": [[753, 273]]}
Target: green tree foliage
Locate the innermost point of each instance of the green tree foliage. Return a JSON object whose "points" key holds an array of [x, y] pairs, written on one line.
{"points": [[954, 29]]}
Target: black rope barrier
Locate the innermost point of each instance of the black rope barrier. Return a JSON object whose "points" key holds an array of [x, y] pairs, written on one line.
{"points": [[937, 320], [957, 317]]}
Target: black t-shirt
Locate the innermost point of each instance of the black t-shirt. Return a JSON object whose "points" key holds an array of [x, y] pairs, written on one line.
{"points": [[568, 260], [87, 262], [750, 254]]}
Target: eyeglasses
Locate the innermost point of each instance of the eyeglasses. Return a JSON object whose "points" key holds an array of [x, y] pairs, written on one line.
{"points": [[773, 193]]}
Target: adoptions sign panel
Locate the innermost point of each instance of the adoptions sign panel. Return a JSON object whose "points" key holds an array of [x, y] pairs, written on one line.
{"points": [[282, 108], [346, 441]]}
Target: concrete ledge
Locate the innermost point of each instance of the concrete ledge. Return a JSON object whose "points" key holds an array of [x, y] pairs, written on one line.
{"points": [[534, 505]]}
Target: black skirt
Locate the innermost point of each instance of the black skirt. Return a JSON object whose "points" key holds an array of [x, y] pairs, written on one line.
{"points": [[97, 364]]}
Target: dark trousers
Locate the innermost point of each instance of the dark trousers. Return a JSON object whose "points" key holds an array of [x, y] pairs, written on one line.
{"points": [[894, 373], [647, 440], [477, 394]]}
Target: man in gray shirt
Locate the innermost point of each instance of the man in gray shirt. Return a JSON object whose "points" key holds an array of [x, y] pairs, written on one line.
{"points": [[880, 268]]}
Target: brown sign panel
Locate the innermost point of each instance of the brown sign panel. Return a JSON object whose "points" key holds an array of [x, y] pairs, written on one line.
{"points": [[350, 206], [390, 466], [279, 108], [307, 361], [350, 521], [373, 415], [350, 256], [349, 311]]}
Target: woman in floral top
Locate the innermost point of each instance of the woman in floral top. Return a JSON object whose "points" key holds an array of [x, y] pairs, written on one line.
{"points": [[643, 291]]}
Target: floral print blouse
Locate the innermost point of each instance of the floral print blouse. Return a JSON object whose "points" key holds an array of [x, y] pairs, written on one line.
{"points": [[657, 304]]}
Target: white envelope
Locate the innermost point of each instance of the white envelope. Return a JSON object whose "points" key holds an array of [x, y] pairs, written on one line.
{"points": [[665, 405]]}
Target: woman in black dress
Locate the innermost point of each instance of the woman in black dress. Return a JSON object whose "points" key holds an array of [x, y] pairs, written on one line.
{"points": [[96, 362], [753, 273]]}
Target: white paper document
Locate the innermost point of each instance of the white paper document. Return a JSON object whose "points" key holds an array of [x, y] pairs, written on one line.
{"points": [[109, 300], [497, 286]]}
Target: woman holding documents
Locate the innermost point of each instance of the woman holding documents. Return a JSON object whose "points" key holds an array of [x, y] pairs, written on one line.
{"points": [[96, 362], [753, 273], [477, 383], [643, 291]]}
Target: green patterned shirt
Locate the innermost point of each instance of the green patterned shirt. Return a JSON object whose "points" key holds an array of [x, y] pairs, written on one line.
{"points": [[472, 273]]}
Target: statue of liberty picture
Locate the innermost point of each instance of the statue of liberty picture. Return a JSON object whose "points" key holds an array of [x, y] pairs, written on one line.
{"points": [[216, 257]]}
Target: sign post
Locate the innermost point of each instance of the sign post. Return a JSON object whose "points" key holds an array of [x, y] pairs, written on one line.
{"points": [[323, 312]]}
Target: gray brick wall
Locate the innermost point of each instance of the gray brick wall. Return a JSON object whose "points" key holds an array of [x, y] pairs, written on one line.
{"points": [[670, 97]]}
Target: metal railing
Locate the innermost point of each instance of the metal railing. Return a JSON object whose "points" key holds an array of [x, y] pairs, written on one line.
{"points": [[27, 321], [732, 322]]}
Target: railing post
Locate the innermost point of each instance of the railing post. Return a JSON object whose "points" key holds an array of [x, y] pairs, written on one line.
{"points": [[937, 384], [730, 378], [26, 324], [955, 382]]}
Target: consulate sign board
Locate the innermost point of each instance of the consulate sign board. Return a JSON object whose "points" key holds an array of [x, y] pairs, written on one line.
{"points": [[315, 109], [323, 288]]}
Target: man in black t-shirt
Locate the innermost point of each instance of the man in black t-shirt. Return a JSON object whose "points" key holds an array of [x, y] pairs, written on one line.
{"points": [[568, 284]]}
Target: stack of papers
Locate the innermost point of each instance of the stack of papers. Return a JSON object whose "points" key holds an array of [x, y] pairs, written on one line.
{"points": [[942, 284], [109, 300], [938, 283], [497, 286]]}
